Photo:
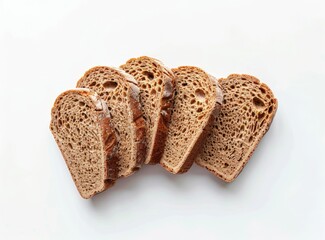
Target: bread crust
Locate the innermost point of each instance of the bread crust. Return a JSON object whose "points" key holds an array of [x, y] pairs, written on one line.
{"points": [[109, 140], [140, 128], [250, 151]]}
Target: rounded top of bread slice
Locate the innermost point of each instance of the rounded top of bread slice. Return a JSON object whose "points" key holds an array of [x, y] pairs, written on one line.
{"points": [[80, 124]]}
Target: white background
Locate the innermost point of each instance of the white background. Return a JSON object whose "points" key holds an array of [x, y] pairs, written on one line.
{"points": [[47, 45]]}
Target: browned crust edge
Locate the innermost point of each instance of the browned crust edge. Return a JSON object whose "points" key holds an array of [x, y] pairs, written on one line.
{"points": [[139, 126], [232, 177], [108, 136]]}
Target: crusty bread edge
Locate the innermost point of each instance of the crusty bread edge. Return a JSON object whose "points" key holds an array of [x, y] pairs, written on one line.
{"points": [[258, 138]]}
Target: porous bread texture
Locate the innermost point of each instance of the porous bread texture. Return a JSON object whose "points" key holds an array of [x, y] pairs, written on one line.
{"points": [[121, 93], [246, 115], [197, 102], [80, 124], [156, 84]]}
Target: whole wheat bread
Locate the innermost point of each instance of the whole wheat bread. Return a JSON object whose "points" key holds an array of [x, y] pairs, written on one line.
{"points": [[247, 113], [80, 124], [197, 102], [121, 93], [156, 84]]}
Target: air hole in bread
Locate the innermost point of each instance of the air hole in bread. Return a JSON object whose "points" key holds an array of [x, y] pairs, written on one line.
{"points": [[184, 84], [262, 90], [261, 115], [258, 103], [110, 86], [270, 109], [149, 75], [200, 109], [153, 91], [225, 165], [117, 132], [91, 85], [81, 104], [200, 95]]}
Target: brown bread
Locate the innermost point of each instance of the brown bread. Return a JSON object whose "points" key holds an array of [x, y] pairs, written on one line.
{"points": [[197, 102], [80, 124], [247, 113]]}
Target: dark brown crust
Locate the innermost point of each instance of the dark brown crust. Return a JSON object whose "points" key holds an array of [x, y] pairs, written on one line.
{"points": [[232, 177], [108, 136], [110, 143], [140, 133], [200, 140]]}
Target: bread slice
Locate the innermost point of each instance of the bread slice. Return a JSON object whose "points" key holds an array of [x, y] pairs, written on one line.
{"points": [[247, 113], [80, 124], [197, 102], [156, 84], [121, 93]]}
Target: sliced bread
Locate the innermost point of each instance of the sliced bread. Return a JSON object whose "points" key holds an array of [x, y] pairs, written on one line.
{"points": [[156, 84], [121, 93], [247, 113], [197, 102], [80, 124]]}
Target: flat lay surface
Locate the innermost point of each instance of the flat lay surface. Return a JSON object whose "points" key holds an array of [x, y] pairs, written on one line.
{"points": [[45, 48]]}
